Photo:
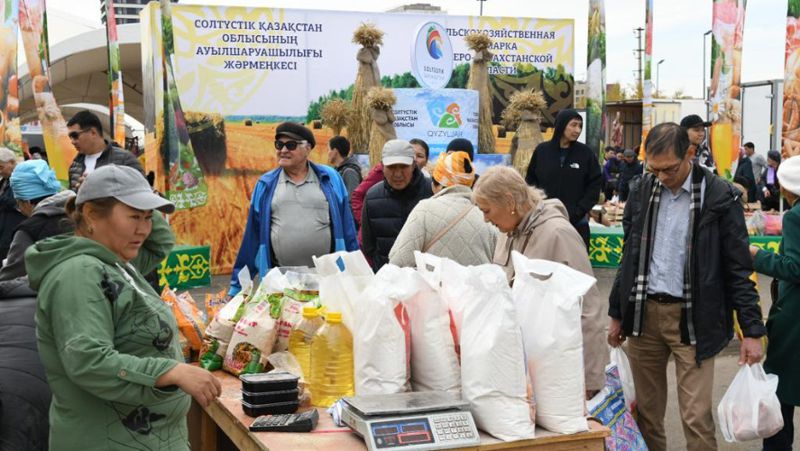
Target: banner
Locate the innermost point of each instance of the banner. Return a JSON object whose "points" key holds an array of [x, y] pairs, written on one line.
{"points": [[596, 78], [436, 116], [33, 27], [240, 71], [116, 104], [648, 112], [186, 186], [791, 85], [10, 135], [726, 70]]}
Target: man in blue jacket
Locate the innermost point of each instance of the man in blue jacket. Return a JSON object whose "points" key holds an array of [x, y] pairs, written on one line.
{"points": [[297, 210]]}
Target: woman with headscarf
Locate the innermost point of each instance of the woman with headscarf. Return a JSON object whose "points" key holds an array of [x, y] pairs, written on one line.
{"points": [[110, 346], [448, 224], [41, 201], [539, 228]]}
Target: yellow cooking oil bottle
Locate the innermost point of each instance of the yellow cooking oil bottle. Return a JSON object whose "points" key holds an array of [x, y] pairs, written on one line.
{"points": [[331, 362], [300, 339]]}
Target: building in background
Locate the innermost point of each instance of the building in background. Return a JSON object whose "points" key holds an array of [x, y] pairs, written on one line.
{"points": [[417, 8], [127, 11], [580, 95]]}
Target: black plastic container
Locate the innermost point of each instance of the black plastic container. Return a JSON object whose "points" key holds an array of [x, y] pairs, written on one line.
{"points": [[255, 410], [270, 397], [268, 382]]}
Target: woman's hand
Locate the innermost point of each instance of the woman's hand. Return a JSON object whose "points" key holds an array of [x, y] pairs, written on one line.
{"points": [[199, 383]]}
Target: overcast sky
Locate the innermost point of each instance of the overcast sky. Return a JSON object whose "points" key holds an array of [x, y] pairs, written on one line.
{"points": [[678, 34]]}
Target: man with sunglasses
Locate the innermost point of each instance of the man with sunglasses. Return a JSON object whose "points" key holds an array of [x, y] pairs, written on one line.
{"points": [[297, 210], [685, 269], [86, 134]]}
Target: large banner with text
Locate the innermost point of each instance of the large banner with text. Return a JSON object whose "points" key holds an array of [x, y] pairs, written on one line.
{"points": [[239, 71]]}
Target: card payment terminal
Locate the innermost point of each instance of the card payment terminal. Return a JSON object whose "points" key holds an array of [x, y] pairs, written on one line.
{"points": [[411, 421]]}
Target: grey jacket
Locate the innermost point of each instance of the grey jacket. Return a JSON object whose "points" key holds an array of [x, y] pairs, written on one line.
{"points": [[50, 209], [469, 242]]}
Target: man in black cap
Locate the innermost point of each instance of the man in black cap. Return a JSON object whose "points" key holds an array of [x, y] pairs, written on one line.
{"points": [[297, 210], [631, 167], [695, 126], [462, 145]]}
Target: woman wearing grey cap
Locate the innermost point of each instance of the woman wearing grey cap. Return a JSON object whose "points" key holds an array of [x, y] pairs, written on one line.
{"points": [[108, 343]]}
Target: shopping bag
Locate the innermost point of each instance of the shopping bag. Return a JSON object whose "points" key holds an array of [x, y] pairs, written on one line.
{"points": [[609, 407], [750, 409], [620, 360], [492, 358], [547, 297]]}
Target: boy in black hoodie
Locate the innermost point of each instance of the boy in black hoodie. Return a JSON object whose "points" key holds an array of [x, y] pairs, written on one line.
{"points": [[568, 170]]}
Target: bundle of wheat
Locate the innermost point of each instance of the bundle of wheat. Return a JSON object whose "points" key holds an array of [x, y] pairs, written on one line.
{"points": [[479, 80], [358, 127], [335, 114], [380, 101], [524, 111], [207, 132]]}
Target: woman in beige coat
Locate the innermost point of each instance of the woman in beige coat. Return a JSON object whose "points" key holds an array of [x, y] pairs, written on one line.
{"points": [[448, 224], [538, 228]]}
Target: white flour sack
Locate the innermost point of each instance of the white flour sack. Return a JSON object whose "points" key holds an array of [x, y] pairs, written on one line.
{"points": [[381, 336], [547, 297], [492, 360], [434, 361]]}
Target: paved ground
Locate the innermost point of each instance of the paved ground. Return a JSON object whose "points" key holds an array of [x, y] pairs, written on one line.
{"points": [[726, 367]]}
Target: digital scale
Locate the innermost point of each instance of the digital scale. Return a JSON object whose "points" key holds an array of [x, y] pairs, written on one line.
{"points": [[411, 421]]}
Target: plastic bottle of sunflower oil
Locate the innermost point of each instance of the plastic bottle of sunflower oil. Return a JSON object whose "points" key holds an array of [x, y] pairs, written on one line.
{"points": [[331, 362]]}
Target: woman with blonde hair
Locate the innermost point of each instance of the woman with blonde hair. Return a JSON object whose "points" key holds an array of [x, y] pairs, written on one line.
{"points": [[539, 228], [448, 224]]}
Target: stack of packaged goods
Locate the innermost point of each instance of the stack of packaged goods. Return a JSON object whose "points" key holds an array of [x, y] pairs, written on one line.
{"points": [[269, 393]]}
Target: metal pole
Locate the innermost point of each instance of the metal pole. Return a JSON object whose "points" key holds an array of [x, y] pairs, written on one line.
{"points": [[481, 2], [705, 79], [658, 77]]}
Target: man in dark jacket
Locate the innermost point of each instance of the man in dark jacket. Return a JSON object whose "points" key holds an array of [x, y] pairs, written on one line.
{"points": [[568, 171], [630, 168], [389, 202], [10, 217], [346, 164], [685, 269], [86, 134], [745, 170]]}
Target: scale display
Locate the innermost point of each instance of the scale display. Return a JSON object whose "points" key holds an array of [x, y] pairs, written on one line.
{"points": [[398, 433]]}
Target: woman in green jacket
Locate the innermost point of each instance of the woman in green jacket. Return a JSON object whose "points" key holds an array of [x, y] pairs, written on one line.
{"points": [[108, 343], [783, 324]]}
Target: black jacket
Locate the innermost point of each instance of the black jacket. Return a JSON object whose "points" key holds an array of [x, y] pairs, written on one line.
{"points": [[384, 214], [111, 155], [24, 393], [627, 173], [10, 218], [721, 266], [577, 182], [745, 170]]}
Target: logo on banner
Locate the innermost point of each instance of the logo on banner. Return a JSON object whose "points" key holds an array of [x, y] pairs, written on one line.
{"points": [[432, 56], [434, 43], [444, 116]]}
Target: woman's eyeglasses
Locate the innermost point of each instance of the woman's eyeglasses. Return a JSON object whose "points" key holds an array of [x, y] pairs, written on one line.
{"points": [[289, 145]]}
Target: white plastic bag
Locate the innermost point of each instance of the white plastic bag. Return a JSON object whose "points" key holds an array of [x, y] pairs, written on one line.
{"points": [[430, 267], [492, 360], [547, 297], [750, 409], [343, 276], [381, 336], [620, 360]]}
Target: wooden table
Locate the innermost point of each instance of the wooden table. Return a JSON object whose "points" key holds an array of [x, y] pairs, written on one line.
{"points": [[226, 415]]}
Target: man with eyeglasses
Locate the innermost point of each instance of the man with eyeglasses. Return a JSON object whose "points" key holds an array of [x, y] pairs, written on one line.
{"points": [[86, 134], [685, 269], [297, 210]]}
